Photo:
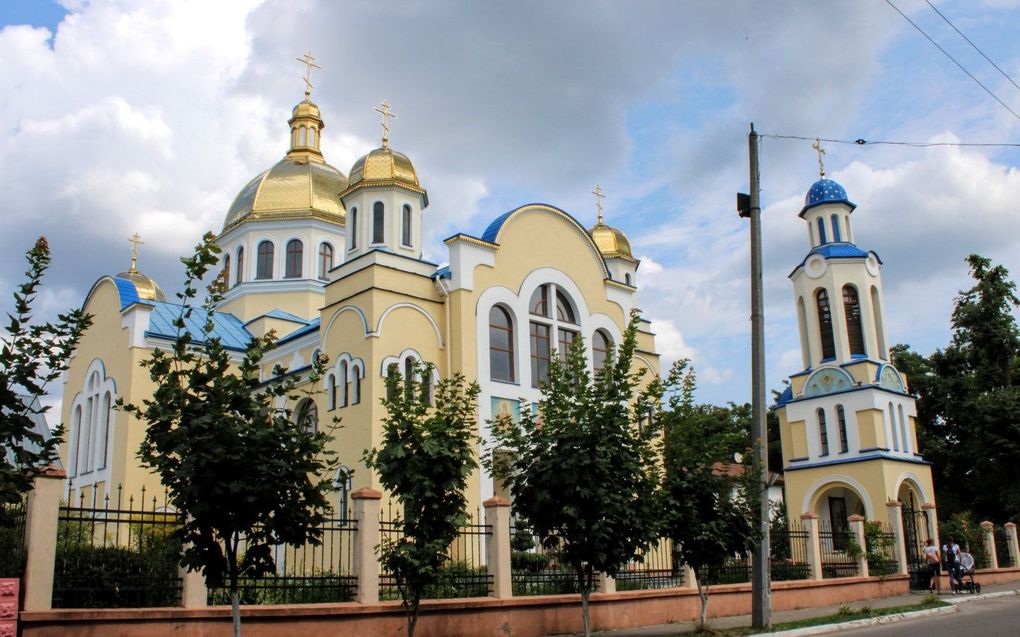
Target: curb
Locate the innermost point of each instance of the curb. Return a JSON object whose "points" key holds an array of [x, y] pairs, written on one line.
{"points": [[871, 621], [963, 599]]}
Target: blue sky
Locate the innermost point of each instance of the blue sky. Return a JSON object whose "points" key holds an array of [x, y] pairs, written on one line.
{"points": [[149, 116]]}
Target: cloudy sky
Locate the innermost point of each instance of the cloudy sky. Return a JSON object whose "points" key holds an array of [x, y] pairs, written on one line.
{"points": [[119, 116]]}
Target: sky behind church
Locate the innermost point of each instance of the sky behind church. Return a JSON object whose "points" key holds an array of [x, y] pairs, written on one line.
{"points": [[120, 116]]}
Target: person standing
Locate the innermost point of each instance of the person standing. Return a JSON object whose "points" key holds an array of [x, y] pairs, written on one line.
{"points": [[951, 555], [931, 554]]}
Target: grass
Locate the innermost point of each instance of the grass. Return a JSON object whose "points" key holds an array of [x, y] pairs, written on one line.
{"points": [[844, 614]]}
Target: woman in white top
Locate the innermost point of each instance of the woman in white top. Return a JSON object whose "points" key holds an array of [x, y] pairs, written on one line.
{"points": [[931, 555]]}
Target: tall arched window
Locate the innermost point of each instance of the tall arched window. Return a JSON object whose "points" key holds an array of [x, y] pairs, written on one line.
{"points": [[354, 228], [344, 373], [405, 226], [76, 425], [295, 255], [409, 378], [501, 345], [240, 266], [835, 228], [565, 314], [854, 329], [356, 375], [823, 432], [825, 324], [325, 260], [378, 223], [548, 327], [105, 413], [821, 230], [307, 416], [264, 265], [226, 271], [892, 428], [844, 443], [331, 388], [601, 343]]}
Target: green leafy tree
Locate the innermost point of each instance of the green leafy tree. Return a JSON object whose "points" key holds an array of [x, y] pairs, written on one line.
{"points": [[32, 355], [239, 469], [706, 510], [582, 468], [426, 456]]}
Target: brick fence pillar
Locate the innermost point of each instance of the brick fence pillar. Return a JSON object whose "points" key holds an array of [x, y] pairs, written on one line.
{"points": [[498, 552], [857, 531], [1011, 541], [894, 509], [809, 521], [366, 538], [41, 512], [988, 536]]}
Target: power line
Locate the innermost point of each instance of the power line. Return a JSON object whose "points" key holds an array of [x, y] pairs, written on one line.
{"points": [[867, 142], [988, 59], [946, 53]]}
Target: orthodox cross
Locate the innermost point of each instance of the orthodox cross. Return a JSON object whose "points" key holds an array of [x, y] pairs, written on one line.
{"points": [[598, 199], [821, 151], [135, 241], [310, 64], [384, 110]]}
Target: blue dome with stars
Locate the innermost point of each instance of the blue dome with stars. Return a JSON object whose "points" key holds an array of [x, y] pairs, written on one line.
{"points": [[825, 191]]}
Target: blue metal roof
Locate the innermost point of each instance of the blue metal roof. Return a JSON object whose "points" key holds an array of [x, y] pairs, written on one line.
{"points": [[825, 191], [283, 316], [313, 326], [840, 251], [497, 224], [227, 327], [785, 397], [128, 292]]}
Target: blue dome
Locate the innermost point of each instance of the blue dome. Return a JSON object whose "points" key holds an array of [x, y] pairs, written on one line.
{"points": [[825, 191]]}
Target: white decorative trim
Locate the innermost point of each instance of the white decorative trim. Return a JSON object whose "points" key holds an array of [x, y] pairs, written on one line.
{"points": [[396, 306], [912, 477], [341, 310], [862, 493], [105, 385]]}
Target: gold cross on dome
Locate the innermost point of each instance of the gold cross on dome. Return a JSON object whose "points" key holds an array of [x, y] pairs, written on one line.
{"points": [[598, 199], [135, 241], [384, 110], [821, 151], [310, 64]]}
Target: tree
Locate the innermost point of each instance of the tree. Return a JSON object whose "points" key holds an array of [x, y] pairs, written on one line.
{"points": [[236, 467], [426, 457], [31, 356], [581, 469], [706, 511]]}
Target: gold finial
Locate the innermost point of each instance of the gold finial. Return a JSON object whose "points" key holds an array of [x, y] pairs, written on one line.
{"points": [[310, 64], [821, 151], [135, 241], [598, 200], [384, 110]]}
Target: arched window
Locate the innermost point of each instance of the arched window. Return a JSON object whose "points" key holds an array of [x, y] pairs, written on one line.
{"points": [[344, 384], [821, 231], [307, 416], [601, 344], [835, 228], [295, 254], [547, 328], [539, 305], [354, 228], [392, 373], [378, 223], [903, 430], [628, 279], [854, 330], [823, 432], [105, 412], [825, 325], [74, 448], [264, 266], [844, 443], [564, 311], [541, 353], [356, 375], [325, 260], [501, 345], [226, 271], [409, 378], [405, 226], [240, 266], [892, 428], [331, 388]]}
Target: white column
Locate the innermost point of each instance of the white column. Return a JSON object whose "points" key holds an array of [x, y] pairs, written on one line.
{"points": [[498, 549], [366, 566], [988, 530], [857, 529], [809, 521], [894, 509]]}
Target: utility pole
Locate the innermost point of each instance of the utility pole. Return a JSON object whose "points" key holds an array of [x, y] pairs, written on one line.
{"points": [[749, 206]]}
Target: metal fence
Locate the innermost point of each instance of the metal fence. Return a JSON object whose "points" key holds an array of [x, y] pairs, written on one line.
{"points": [[837, 551], [1002, 550], [881, 550], [735, 570], [315, 572], [463, 575], [655, 570], [535, 568], [12, 539], [788, 553], [117, 553]]}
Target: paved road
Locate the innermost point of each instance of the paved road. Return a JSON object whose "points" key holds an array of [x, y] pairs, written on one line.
{"points": [[999, 617]]}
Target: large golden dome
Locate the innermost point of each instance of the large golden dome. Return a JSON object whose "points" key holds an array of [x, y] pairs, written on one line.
{"points": [[384, 167], [610, 241]]}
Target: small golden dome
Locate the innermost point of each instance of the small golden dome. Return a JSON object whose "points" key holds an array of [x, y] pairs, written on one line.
{"points": [[305, 108], [384, 167], [148, 290], [610, 241]]}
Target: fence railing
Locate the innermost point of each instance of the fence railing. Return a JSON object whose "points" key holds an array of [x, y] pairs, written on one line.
{"points": [[789, 555], [534, 567], [881, 552], [117, 552], [315, 572], [12, 539], [655, 569], [837, 547]]}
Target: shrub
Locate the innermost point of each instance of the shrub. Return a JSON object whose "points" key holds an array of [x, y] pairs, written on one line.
{"points": [[530, 562]]}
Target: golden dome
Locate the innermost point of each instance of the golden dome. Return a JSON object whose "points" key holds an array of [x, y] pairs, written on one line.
{"points": [[306, 108], [148, 290], [610, 241], [384, 167]]}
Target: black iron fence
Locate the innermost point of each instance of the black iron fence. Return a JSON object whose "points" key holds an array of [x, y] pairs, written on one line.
{"points": [[839, 551], [465, 573], [655, 569], [12, 539], [315, 572], [881, 549], [1003, 553], [535, 567], [117, 552], [788, 553]]}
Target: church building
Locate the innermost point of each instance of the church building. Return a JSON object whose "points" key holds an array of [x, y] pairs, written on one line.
{"points": [[331, 263]]}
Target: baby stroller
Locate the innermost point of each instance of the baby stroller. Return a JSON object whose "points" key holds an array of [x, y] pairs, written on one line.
{"points": [[967, 573]]}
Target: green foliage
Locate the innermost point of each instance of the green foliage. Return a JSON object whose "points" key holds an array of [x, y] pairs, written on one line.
{"points": [[968, 405], [12, 541], [582, 469], [530, 562], [233, 463], [878, 547], [967, 532], [89, 576], [31, 356], [321, 587], [426, 457]]}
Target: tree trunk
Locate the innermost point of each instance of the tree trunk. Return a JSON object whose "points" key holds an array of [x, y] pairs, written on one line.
{"points": [[412, 617], [584, 612], [703, 594], [235, 611]]}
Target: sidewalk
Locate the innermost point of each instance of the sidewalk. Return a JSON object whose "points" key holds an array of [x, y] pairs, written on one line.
{"points": [[668, 630]]}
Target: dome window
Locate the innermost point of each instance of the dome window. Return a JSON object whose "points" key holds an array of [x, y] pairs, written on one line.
{"points": [[823, 432], [264, 266], [835, 229], [354, 228], [854, 330], [295, 254], [378, 223], [825, 325], [405, 226], [325, 260], [226, 271], [240, 266]]}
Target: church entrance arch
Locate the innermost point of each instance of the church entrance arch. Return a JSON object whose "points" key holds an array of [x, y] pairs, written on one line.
{"points": [[915, 532]]}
